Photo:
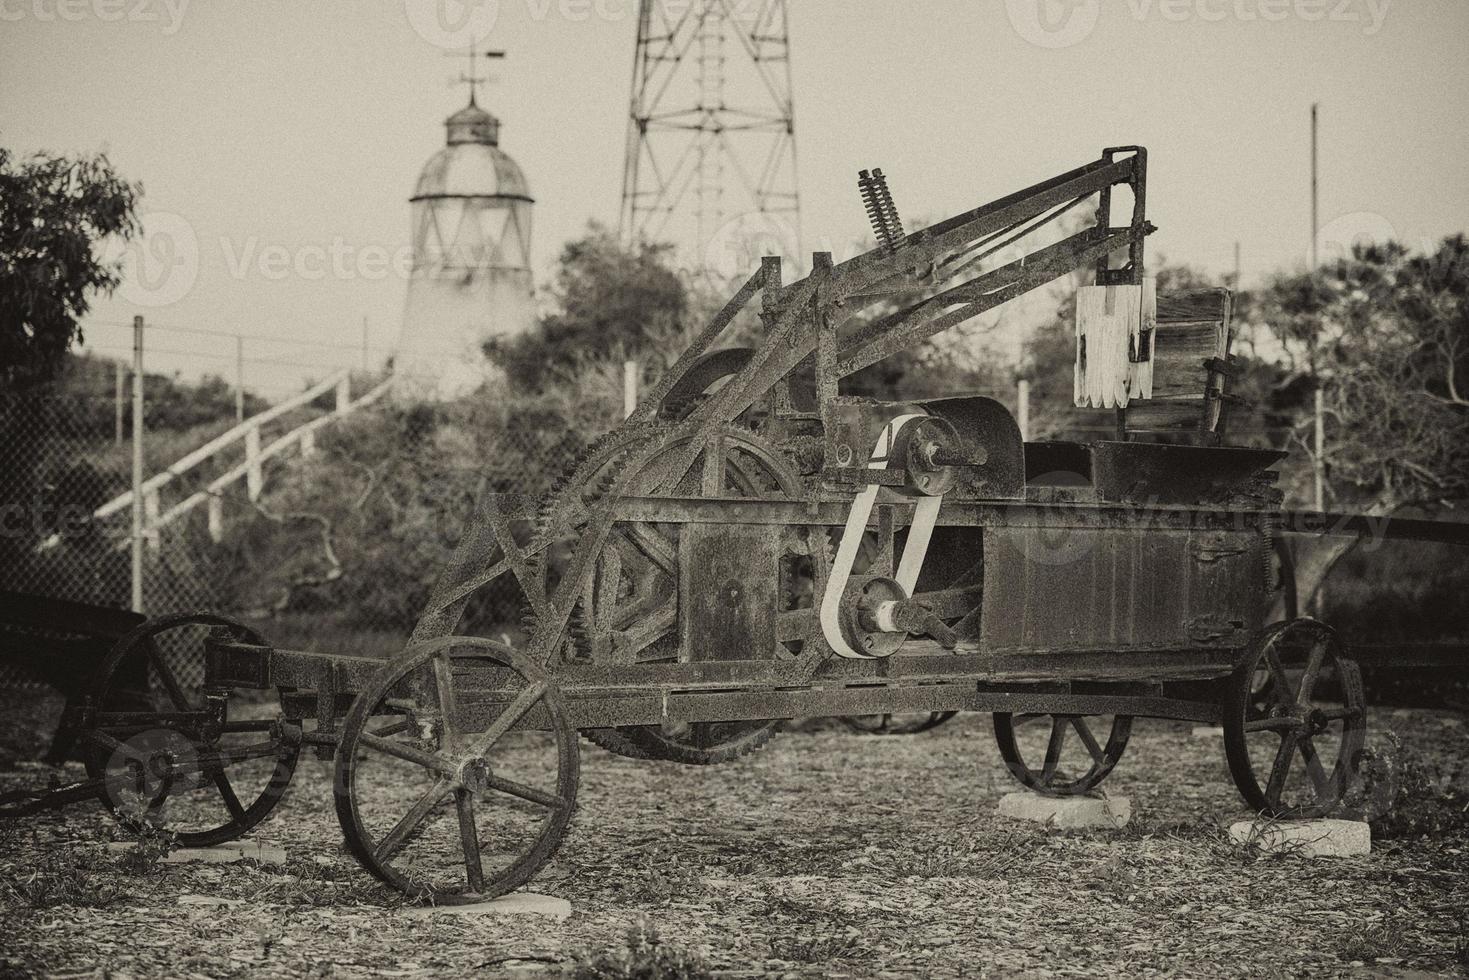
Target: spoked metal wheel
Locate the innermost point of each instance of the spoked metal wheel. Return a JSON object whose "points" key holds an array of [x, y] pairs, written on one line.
{"points": [[1295, 721], [457, 771], [903, 724], [1061, 755], [194, 761]]}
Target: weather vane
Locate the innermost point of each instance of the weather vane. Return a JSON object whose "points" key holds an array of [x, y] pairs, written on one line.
{"points": [[471, 79]]}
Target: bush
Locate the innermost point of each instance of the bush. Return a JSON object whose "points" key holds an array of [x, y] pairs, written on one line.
{"points": [[363, 530], [643, 956], [1404, 797]]}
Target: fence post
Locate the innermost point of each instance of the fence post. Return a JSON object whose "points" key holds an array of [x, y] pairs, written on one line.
{"points": [[137, 528], [150, 519], [117, 403], [239, 379], [629, 387], [216, 518], [344, 394], [1022, 408], [308, 443], [254, 475]]}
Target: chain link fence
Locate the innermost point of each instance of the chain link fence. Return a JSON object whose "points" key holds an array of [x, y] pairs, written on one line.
{"points": [[336, 551]]}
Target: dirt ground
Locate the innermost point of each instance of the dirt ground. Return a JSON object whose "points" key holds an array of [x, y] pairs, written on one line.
{"points": [[827, 854]]}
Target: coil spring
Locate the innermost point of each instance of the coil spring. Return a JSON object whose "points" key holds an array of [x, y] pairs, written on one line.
{"points": [[1271, 529], [881, 212]]}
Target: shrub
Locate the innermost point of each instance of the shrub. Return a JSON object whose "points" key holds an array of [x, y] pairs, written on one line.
{"points": [[644, 955]]}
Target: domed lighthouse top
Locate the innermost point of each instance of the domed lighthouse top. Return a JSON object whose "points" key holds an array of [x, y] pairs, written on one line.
{"points": [[471, 280], [473, 125], [471, 164]]}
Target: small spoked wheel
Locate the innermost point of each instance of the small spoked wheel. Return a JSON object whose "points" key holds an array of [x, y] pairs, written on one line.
{"points": [[194, 761], [457, 771], [900, 724], [1061, 755], [1295, 721]]}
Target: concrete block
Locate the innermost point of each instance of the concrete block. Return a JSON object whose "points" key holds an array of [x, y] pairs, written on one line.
{"points": [[1308, 838], [231, 853], [1068, 812], [516, 903]]}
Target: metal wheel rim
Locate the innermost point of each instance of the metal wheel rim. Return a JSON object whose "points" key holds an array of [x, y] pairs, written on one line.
{"points": [[241, 818], [1104, 755], [1290, 709], [884, 724], [360, 841]]}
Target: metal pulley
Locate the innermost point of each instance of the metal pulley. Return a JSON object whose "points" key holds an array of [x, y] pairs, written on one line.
{"points": [[875, 620], [879, 617], [928, 449]]}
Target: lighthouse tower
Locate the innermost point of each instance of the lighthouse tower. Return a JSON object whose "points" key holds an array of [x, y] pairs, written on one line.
{"points": [[471, 277]]}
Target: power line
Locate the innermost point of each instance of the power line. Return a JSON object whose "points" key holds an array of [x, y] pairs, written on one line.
{"points": [[262, 338]]}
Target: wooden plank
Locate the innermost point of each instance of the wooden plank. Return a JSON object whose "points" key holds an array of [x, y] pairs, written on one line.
{"points": [[1168, 416], [1206, 304]]}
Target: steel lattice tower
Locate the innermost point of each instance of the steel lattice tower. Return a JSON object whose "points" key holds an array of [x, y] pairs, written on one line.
{"points": [[711, 152]]}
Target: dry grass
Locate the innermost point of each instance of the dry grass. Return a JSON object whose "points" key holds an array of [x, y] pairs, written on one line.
{"points": [[827, 854]]}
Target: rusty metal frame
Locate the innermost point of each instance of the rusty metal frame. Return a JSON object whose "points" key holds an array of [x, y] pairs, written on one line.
{"points": [[816, 320]]}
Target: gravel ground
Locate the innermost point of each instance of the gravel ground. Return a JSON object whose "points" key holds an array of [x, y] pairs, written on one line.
{"points": [[827, 854]]}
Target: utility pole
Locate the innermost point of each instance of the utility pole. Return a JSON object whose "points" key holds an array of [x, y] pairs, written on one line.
{"points": [[1315, 182], [1235, 284], [1318, 462], [137, 528]]}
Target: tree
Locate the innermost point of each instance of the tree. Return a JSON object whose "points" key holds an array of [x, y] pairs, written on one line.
{"points": [[53, 213], [614, 301], [1384, 332]]}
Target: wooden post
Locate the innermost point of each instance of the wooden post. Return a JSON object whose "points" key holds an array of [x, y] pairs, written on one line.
{"points": [[150, 519], [344, 394], [308, 443], [254, 474], [1022, 408], [629, 387], [137, 508], [239, 379], [216, 518]]}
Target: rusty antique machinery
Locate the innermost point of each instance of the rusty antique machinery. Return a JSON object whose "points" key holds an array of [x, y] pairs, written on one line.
{"points": [[753, 545]]}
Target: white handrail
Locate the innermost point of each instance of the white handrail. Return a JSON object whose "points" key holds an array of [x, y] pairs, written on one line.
{"points": [[188, 462], [275, 448]]}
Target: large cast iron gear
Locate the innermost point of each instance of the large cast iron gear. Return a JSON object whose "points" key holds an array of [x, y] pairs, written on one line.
{"points": [[590, 475], [634, 585]]}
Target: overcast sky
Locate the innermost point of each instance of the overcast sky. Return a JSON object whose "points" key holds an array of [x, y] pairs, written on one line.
{"points": [[277, 134]]}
